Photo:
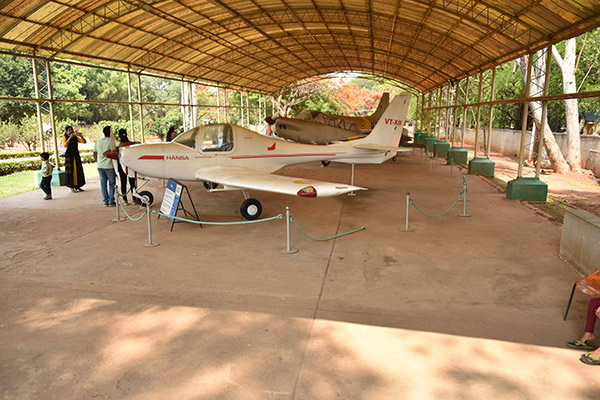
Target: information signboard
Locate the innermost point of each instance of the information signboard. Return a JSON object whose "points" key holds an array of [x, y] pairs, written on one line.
{"points": [[171, 199]]}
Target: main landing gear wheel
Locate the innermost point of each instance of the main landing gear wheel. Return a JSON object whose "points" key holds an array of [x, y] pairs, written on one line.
{"points": [[325, 163], [145, 194], [251, 209], [210, 185]]}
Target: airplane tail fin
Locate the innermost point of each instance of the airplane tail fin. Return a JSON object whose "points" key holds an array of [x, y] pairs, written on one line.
{"points": [[383, 105], [388, 130]]}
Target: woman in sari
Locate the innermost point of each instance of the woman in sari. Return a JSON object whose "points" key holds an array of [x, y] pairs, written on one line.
{"points": [[73, 165]]}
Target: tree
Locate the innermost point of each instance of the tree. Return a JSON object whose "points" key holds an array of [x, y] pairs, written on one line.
{"points": [[293, 95], [556, 158], [16, 81], [569, 69], [67, 83]]}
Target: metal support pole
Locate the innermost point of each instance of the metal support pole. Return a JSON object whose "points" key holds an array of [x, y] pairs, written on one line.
{"points": [[142, 136], [288, 249], [491, 119], [525, 112], [130, 97], [242, 118], [429, 115], [52, 117], [225, 105], [218, 104], [447, 127], [439, 114], [423, 113], [149, 244], [454, 112], [443, 129], [38, 105], [538, 165], [465, 114], [477, 122]]}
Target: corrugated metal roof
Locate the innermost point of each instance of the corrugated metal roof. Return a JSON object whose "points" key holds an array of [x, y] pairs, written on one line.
{"points": [[264, 45]]}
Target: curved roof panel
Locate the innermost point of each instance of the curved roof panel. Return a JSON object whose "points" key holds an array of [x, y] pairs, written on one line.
{"points": [[264, 45]]}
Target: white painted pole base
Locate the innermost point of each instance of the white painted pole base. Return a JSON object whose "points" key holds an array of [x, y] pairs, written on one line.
{"points": [[406, 228], [149, 244], [288, 249], [118, 217]]}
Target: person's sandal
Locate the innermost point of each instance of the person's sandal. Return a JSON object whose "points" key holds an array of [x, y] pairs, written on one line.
{"points": [[580, 345], [590, 359]]}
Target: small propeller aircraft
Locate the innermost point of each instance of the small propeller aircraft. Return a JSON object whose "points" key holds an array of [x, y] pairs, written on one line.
{"points": [[316, 127], [239, 159]]}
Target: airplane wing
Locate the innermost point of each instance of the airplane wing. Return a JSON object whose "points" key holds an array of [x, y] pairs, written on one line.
{"points": [[382, 148], [244, 178]]}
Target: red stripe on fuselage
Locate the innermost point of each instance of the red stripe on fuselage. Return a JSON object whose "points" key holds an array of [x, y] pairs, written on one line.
{"points": [[151, 158], [285, 155]]}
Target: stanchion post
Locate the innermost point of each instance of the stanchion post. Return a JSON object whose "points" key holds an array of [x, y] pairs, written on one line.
{"points": [[406, 229], [118, 218], [288, 249], [149, 244], [464, 197], [459, 176]]}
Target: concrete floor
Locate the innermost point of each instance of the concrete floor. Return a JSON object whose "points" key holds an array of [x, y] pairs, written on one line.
{"points": [[461, 308]]}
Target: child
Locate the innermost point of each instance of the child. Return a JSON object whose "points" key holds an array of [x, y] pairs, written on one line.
{"points": [[46, 172]]}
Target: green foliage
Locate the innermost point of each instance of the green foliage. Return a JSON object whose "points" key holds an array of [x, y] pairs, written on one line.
{"points": [[9, 167], [28, 132], [68, 81], [16, 80], [25, 154], [159, 127], [9, 134]]}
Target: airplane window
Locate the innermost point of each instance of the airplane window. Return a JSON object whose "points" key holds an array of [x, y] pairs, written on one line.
{"points": [[216, 138], [187, 138]]}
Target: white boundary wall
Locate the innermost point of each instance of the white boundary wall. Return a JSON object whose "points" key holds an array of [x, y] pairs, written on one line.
{"points": [[508, 141], [580, 241]]}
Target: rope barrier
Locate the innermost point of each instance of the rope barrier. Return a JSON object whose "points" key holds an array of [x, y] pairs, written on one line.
{"points": [[125, 211], [280, 216], [362, 228], [438, 215]]}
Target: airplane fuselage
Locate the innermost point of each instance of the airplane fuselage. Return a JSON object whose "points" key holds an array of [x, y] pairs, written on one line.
{"points": [[181, 159]]}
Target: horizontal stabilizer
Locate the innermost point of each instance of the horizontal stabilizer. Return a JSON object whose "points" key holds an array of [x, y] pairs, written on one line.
{"points": [[381, 147]]}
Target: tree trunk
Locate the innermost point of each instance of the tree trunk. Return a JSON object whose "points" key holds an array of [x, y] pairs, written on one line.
{"points": [[559, 165], [567, 67]]}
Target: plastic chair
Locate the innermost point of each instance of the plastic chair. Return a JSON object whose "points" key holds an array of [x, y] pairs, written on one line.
{"points": [[589, 285]]}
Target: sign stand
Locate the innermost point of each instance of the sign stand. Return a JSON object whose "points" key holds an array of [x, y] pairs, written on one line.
{"points": [[172, 203]]}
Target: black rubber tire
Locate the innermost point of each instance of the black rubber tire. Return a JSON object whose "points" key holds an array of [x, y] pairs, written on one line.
{"points": [[209, 185], [325, 163], [251, 209], [149, 195]]}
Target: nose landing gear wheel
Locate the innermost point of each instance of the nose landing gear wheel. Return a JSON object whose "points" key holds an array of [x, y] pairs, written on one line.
{"points": [[145, 194], [325, 163], [251, 209]]}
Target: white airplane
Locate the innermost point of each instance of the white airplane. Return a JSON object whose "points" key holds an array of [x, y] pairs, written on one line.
{"points": [[240, 159], [316, 127]]}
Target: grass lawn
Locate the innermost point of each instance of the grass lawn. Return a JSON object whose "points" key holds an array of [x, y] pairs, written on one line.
{"points": [[21, 182]]}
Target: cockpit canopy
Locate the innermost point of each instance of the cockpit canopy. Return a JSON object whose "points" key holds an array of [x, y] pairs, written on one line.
{"points": [[218, 137]]}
